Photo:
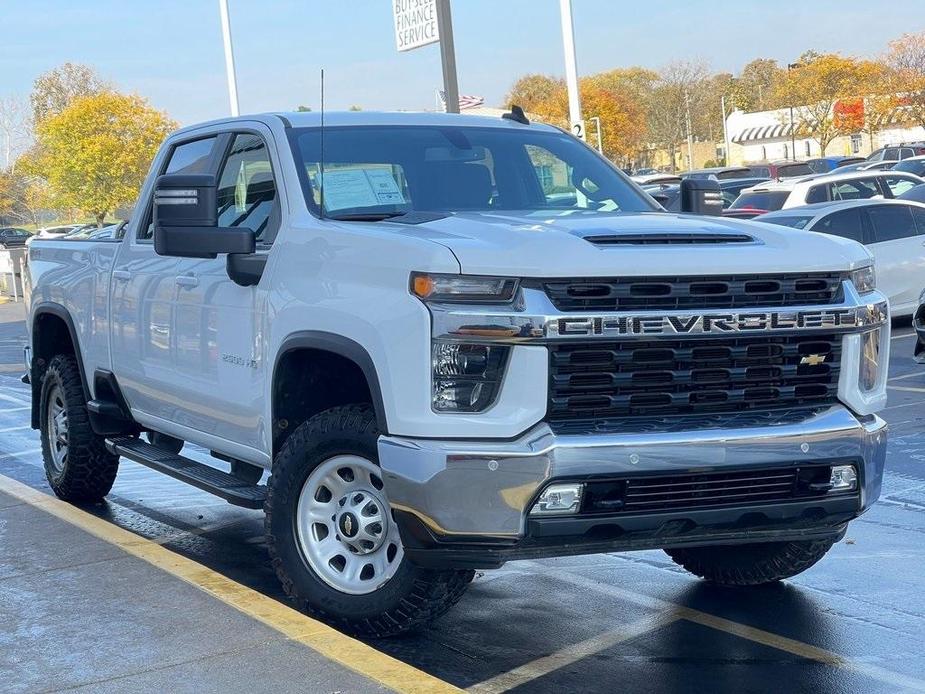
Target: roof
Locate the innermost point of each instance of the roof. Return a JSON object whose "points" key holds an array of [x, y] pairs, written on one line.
{"points": [[820, 208], [312, 119], [835, 175]]}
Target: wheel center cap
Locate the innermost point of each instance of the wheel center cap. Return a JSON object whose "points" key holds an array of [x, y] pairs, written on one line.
{"points": [[348, 524]]}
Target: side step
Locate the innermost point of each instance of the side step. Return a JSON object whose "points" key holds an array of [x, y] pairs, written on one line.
{"points": [[204, 477]]}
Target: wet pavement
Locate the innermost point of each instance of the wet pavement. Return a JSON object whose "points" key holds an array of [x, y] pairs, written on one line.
{"points": [[633, 622]]}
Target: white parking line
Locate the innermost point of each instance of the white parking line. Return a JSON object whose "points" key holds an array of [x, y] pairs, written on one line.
{"points": [[907, 389], [914, 374], [10, 429], [572, 654], [901, 336]]}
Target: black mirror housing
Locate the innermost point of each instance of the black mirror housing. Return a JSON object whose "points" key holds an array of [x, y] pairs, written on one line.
{"points": [[186, 219], [701, 196]]}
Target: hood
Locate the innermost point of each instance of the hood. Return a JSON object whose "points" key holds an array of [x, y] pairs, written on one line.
{"points": [[557, 244]]}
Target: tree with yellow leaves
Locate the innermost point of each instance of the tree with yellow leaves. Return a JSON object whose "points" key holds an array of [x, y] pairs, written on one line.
{"points": [[906, 60], [95, 154]]}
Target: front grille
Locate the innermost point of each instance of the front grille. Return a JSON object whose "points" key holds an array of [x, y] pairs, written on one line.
{"points": [[678, 492], [605, 380], [666, 293]]}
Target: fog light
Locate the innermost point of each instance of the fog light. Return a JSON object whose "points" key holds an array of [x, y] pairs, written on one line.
{"points": [[844, 478], [558, 499]]}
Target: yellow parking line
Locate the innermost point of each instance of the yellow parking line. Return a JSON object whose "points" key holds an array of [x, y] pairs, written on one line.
{"points": [[766, 638], [292, 624]]}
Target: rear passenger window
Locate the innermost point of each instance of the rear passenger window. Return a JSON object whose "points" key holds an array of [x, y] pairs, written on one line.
{"points": [[246, 189], [817, 194], [898, 185], [918, 214], [891, 222], [189, 158], [891, 154], [846, 223], [857, 189]]}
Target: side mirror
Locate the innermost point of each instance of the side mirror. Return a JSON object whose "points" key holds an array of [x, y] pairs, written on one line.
{"points": [[701, 196], [186, 219]]}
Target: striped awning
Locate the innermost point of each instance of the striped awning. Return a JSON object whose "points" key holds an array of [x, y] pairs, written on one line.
{"points": [[897, 116], [766, 132]]}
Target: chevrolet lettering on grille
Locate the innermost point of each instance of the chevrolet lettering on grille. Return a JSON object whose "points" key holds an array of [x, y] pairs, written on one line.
{"points": [[705, 324]]}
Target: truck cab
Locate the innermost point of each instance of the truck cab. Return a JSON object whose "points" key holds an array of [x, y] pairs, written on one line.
{"points": [[453, 341]]}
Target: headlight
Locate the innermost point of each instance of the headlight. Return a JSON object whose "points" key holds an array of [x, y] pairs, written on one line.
{"points": [[864, 279], [466, 377], [462, 288]]}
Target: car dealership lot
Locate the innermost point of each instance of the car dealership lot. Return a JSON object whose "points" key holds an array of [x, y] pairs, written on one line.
{"points": [[81, 610]]}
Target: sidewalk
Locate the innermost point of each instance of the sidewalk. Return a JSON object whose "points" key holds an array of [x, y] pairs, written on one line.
{"points": [[76, 611]]}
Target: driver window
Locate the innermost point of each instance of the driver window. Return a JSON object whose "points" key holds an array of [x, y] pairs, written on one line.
{"points": [[246, 189]]}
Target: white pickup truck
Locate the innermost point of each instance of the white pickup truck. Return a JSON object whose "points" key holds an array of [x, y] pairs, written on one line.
{"points": [[455, 341]]}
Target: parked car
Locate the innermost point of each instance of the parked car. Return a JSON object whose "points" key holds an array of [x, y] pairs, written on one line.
{"points": [[13, 237], [918, 322], [853, 185], [657, 178], [826, 164], [780, 169], [893, 230], [913, 165], [898, 152], [719, 172], [92, 232], [881, 165]]}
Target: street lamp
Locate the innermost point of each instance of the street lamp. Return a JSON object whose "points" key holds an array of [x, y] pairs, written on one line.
{"points": [[793, 143]]}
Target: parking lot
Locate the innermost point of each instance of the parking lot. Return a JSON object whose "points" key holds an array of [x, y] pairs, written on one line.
{"points": [[167, 586]]}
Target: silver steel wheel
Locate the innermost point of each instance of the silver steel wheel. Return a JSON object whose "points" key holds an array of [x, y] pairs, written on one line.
{"points": [[345, 528], [56, 427]]}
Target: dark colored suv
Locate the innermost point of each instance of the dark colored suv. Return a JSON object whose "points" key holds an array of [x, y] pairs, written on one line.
{"points": [[11, 237]]}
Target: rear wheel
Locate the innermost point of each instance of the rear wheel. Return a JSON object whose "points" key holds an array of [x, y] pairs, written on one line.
{"points": [[77, 464], [332, 538], [750, 565]]}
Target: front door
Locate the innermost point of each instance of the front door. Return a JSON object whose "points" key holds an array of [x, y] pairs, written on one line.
{"points": [[898, 254], [218, 351]]}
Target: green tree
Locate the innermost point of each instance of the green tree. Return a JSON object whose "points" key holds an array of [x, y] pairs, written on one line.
{"points": [[95, 154]]}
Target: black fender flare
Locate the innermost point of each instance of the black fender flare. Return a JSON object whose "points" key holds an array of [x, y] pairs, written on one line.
{"points": [[59, 311], [341, 346]]}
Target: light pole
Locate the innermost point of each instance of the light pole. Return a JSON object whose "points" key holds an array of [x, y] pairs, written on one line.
{"points": [[448, 56], [229, 57], [793, 138], [571, 68], [722, 103], [597, 127]]}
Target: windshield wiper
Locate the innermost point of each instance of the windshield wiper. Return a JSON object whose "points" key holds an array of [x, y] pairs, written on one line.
{"points": [[365, 216]]}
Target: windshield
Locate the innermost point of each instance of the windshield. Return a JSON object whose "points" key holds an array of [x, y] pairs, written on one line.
{"points": [[394, 170], [760, 200]]}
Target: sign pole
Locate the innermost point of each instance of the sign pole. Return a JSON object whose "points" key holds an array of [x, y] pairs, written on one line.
{"points": [[448, 56], [229, 57], [571, 69]]}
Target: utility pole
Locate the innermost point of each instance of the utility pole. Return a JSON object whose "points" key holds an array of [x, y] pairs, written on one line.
{"points": [[448, 56], [793, 137], [690, 136], [571, 70], [722, 103], [229, 57]]}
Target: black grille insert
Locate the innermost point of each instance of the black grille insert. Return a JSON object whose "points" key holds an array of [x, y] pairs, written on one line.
{"points": [[666, 239], [603, 380], [679, 492], [666, 293]]}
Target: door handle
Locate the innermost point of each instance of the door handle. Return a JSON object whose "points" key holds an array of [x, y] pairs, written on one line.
{"points": [[121, 275], [187, 281]]}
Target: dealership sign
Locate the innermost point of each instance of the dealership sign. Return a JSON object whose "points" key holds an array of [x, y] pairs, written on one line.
{"points": [[415, 23]]}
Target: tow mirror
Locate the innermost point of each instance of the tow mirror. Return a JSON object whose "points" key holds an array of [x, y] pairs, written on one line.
{"points": [[701, 196], [186, 219]]}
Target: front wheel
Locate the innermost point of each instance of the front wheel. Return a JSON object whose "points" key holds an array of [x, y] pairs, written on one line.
{"points": [[332, 538], [750, 565]]}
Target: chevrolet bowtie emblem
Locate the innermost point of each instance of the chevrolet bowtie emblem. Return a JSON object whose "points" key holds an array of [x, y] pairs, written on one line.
{"points": [[813, 359]]}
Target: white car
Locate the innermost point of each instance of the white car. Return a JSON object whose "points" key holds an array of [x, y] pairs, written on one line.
{"points": [[893, 231], [854, 185]]}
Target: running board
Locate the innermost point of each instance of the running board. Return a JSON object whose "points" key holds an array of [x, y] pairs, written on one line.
{"points": [[199, 475]]}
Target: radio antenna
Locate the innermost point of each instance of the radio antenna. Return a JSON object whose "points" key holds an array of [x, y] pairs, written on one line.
{"points": [[321, 157]]}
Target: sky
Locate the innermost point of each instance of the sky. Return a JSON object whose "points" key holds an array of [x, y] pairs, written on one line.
{"points": [[170, 51]]}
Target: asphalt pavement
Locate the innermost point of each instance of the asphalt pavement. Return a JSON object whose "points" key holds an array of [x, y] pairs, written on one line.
{"points": [[164, 588]]}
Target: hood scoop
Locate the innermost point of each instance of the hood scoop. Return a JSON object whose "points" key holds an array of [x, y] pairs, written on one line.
{"points": [[667, 239]]}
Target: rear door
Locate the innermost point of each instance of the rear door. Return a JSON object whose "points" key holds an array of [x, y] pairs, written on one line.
{"points": [[896, 244], [848, 223]]}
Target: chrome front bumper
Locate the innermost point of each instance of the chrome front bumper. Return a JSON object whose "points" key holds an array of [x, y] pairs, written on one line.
{"points": [[485, 489]]}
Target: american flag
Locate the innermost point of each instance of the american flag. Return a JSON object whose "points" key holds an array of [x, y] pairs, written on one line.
{"points": [[464, 100]]}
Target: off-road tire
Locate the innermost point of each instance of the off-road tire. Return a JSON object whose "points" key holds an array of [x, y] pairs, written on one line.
{"points": [[90, 470], [750, 565], [411, 599]]}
